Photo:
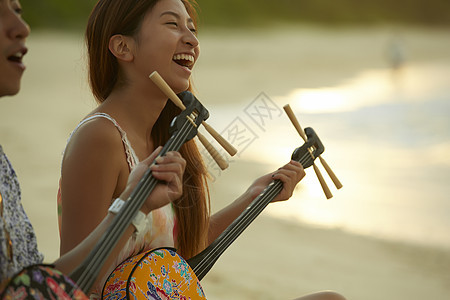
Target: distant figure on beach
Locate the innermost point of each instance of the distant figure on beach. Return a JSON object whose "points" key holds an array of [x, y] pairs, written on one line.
{"points": [[396, 57], [395, 53]]}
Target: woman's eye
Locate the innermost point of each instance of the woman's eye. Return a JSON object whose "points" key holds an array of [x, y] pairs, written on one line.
{"points": [[18, 10], [193, 30], [172, 23]]}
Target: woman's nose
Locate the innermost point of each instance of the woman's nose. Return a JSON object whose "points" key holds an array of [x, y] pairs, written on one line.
{"points": [[191, 39], [19, 28]]}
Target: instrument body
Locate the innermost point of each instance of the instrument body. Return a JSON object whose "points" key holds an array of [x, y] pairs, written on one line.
{"points": [[156, 274]]}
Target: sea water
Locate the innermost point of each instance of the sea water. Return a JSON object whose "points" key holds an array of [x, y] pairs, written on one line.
{"points": [[387, 138]]}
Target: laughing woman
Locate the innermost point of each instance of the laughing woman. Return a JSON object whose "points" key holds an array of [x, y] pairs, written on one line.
{"points": [[126, 41]]}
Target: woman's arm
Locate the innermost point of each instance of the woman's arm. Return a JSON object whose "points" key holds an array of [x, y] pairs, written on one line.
{"points": [[93, 172], [290, 174]]}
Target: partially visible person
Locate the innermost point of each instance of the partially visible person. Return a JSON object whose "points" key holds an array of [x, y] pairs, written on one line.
{"points": [[18, 245]]}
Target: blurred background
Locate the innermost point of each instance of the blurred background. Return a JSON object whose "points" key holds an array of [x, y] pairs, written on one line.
{"points": [[371, 77], [235, 13]]}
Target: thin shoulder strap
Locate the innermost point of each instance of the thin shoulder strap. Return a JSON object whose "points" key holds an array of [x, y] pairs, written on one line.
{"points": [[132, 158]]}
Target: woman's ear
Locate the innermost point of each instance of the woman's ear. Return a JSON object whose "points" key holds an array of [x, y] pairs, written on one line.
{"points": [[120, 47]]}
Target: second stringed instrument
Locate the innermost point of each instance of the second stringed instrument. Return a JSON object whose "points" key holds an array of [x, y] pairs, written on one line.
{"points": [[163, 274]]}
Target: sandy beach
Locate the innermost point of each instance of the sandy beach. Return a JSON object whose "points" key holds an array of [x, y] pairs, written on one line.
{"points": [[273, 259]]}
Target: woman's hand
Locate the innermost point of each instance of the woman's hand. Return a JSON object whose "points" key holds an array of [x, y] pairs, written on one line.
{"points": [[169, 169], [290, 174]]}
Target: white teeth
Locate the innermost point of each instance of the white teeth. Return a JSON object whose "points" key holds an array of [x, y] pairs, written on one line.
{"points": [[18, 55], [184, 57]]}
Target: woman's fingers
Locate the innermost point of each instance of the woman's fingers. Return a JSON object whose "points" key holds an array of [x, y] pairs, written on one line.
{"points": [[293, 170], [149, 160], [169, 166], [290, 174], [169, 169]]}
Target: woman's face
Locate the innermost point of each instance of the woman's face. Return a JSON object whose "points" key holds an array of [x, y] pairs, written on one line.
{"points": [[13, 31], [167, 43]]}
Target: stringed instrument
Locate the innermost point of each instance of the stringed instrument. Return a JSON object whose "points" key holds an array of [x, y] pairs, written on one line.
{"points": [[183, 128], [163, 274]]}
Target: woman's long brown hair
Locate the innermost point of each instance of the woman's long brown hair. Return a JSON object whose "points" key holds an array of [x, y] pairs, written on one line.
{"points": [[110, 17]]}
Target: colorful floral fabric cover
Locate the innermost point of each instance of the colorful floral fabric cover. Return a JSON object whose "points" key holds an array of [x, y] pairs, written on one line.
{"points": [[158, 274], [42, 282]]}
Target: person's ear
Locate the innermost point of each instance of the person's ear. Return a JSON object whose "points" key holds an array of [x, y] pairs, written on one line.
{"points": [[120, 46]]}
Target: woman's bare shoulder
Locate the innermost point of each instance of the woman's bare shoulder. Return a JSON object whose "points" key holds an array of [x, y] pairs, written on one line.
{"points": [[95, 137]]}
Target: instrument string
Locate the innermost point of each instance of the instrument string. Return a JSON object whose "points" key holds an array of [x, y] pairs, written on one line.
{"points": [[184, 285], [248, 216]]}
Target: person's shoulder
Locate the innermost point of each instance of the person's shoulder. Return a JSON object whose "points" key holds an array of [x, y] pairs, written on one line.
{"points": [[95, 135]]}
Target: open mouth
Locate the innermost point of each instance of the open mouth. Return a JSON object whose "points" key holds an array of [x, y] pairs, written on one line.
{"points": [[185, 60], [16, 57]]}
